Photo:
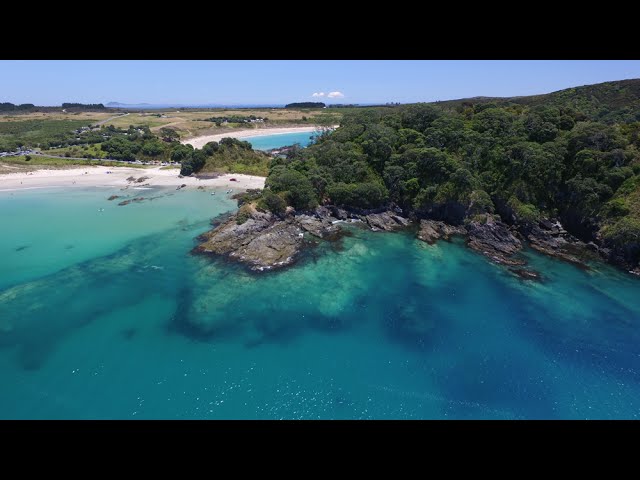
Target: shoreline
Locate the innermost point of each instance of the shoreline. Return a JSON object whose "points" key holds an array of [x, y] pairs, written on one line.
{"points": [[199, 142], [96, 176]]}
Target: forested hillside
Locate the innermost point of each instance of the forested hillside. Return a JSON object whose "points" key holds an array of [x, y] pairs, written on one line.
{"points": [[571, 155]]}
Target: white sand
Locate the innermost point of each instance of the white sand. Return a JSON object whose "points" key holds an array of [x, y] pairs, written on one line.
{"points": [[199, 142], [96, 176]]}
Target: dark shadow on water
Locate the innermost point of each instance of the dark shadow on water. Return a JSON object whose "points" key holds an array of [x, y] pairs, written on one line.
{"points": [[182, 323], [129, 333], [33, 355], [417, 320], [21, 248], [491, 386], [605, 341], [52, 307]]}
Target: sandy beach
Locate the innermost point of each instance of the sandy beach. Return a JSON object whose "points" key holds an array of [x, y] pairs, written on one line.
{"points": [[97, 176], [199, 142]]}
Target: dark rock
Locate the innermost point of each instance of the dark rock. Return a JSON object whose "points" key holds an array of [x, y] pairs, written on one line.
{"points": [[113, 197], [319, 226], [325, 212], [433, 230], [526, 274], [546, 224], [263, 241], [555, 242], [339, 213], [593, 247], [386, 221], [127, 202], [493, 239], [452, 213]]}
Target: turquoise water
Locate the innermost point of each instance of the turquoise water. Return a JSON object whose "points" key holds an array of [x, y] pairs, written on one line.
{"points": [[105, 314], [267, 142]]}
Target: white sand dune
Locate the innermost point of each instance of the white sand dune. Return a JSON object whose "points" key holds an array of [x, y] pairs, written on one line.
{"points": [[97, 176]]}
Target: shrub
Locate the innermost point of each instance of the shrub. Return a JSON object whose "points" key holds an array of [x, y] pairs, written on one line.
{"points": [[272, 202], [524, 211], [481, 202]]}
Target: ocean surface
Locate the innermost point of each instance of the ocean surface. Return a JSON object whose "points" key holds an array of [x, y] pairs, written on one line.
{"points": [[267, 142], [104, 314]]}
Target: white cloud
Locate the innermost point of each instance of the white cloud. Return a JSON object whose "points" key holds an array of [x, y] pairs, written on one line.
{"points": [[335, 95], [318, 94]]}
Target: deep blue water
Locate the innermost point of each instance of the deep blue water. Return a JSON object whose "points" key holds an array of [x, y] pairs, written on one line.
{"points": [[107, 315], [267, 142]]}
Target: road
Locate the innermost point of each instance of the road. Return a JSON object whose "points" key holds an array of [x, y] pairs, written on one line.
{"points": [[109, 119]]}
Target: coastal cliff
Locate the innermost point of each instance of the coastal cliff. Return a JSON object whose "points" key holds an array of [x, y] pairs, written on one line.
{"points": [[265, 241]]}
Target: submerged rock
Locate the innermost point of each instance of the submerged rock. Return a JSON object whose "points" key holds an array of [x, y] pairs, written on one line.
{"points": [[127, 202], [493, 239], [432, 230], [526, 274], [113, 197]]}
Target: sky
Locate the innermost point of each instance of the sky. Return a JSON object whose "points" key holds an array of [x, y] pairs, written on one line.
{"points": [[228, 82]]}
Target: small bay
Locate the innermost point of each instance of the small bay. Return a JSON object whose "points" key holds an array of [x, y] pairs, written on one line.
{"points": [[105, 314], [268, 142]]}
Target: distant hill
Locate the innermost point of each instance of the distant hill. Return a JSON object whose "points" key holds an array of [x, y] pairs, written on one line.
{"points": [[83, 106], [607, 102], [126, 105], [305, 105], [28, 107], [165, 106]]}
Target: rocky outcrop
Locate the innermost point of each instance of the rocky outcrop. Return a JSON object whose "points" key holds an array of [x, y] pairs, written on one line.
{"points": [[321, 227], [386, 221], [263, 241], [433, 230], [493, 239], [625, 256], [113, 197], [550, 238]]}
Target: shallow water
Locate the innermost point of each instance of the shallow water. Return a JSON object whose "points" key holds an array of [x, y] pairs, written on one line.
{"points": [[267, 142], [127, 324]]}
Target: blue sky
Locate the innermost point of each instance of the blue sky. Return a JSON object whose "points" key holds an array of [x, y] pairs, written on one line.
{"points": [[280, 81]]}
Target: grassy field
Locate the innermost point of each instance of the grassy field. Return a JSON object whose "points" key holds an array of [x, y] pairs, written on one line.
{"points": [[79, 151], [193, 123], [87, 117], [21, 164], [31, 132], [38, 128]]}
